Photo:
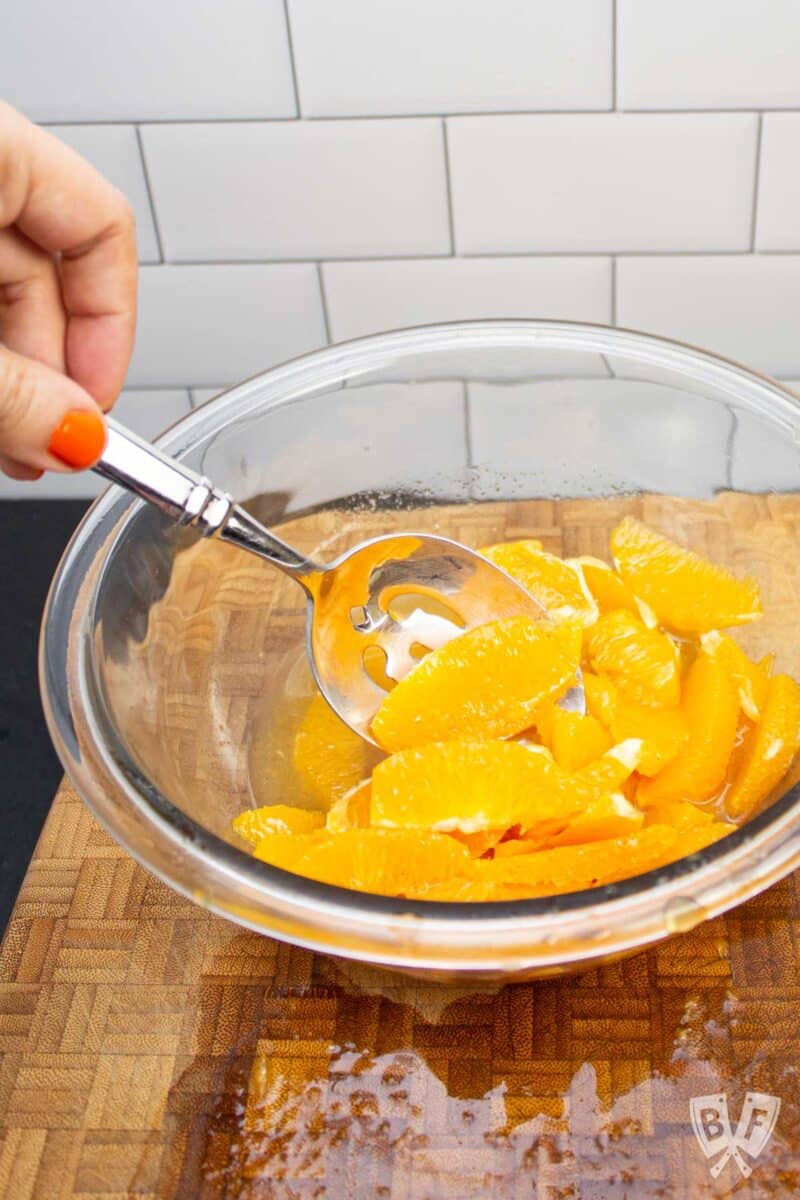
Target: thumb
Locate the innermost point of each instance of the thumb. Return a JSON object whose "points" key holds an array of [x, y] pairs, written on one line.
{"points": [[47, 422]]}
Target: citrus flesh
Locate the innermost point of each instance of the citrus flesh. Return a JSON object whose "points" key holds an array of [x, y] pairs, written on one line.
{"points": [[489, 790], [711, 707], [662, 731], [610, 591], [484, 684], [769, 749], [558, 585], [328, 756], [471, 787], [642, 662], [255, 823], [751, 679], [687, 593], [578, 739]]}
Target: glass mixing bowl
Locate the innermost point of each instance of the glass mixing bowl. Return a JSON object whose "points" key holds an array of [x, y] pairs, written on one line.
{"points": [[171, 667]]}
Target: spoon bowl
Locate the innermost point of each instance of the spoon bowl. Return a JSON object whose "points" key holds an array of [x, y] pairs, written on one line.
{"points": [[380, 607]]}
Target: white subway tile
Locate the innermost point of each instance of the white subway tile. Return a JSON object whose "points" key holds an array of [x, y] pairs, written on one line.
{"points": [[367, 438], [763, 458], [114, 151], [147, 413], [86, 61], [741, 306], [370, 296], [778, 211], [602, 182], [595, 437], [713, 54], [222, 323], [356, 57], [299, 189]]}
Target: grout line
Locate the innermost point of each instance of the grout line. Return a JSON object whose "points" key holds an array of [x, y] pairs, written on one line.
{"points": [[173, 387], [155, 387], [467, 426], [614, 89], [611, 372], [324, 300], [425, 116], [499, 255], [613, 291], [608, 253], [448, 185], [756, 179], [730, 444], [295, 88], [150, 194], [190, 398]]}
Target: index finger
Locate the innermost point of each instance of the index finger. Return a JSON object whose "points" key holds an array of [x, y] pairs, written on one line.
{"points": [[65, 206]]}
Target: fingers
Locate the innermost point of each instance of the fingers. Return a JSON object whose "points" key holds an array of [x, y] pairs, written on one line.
{"points": [[32, 317], [47, 422], [16, 470], [65, 207]]}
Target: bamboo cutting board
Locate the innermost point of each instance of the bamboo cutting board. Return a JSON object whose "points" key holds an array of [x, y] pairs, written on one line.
{"points": [[155, 1052]]}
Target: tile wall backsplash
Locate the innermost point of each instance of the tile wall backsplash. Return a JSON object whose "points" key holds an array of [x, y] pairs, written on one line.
{"points": [[308, 170]]}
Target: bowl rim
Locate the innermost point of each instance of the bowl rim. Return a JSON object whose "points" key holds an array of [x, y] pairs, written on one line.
{"points": [[713, 867]]}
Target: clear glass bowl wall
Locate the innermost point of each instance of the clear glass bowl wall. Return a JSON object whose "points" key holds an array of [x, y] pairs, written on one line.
{"points": [[163, 660]]}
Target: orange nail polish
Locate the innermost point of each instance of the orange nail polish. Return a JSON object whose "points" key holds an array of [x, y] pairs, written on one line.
{"points": [[80, 438]]}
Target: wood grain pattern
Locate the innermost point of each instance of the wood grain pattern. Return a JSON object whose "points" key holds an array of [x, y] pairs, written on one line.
{"points": [[152, 1051]]}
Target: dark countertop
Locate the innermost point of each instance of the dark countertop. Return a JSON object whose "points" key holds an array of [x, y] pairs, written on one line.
{"points": [[33, 534]]}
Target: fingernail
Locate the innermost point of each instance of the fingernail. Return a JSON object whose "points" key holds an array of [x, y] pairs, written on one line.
{"points": [[80, 438]]}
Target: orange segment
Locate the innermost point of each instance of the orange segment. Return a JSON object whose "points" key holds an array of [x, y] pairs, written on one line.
{"points": [[602, 697], [255, 823], [468, 786], [350, 811], [572, 868], [663, 731], [544, 719], [611, 816], [463, 891], [559, 586], [608, 773], [641, 661], [686, 592], [680, 814], [485, 683], [478, 843], [577, 740], [711, 705], [610, 591], [328, 756], [477, 786], [752, 679], [769, 749], [288, 850], [388, 861]]}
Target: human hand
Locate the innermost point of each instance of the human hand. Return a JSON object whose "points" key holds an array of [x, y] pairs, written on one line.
{"points": [[67, 301]]}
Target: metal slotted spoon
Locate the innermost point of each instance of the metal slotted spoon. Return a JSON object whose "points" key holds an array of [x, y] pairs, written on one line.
{"points": [[372, 613]]}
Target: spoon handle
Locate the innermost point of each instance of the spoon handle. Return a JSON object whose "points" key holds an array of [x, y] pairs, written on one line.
{"points": [[180, 493], [190, 499]]}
